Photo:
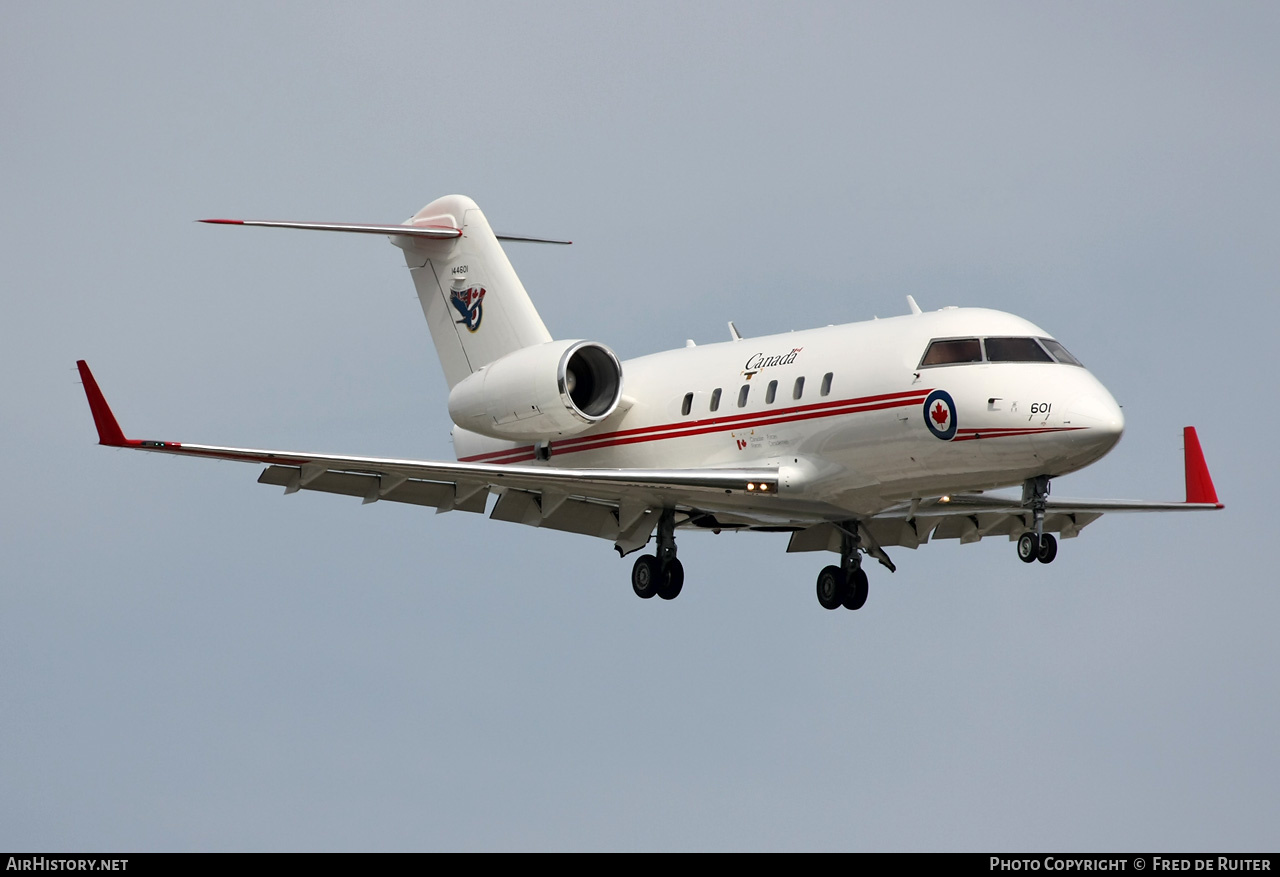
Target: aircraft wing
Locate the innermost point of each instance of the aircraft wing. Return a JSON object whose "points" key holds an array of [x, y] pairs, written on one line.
{"points": [[619, 504], [971, 517], [623, 504]]}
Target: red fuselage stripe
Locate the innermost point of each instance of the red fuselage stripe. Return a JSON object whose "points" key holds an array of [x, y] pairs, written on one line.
{"points": [[701, 427]]}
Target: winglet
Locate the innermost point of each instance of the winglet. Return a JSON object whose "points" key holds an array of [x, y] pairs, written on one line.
{"points": [[109, 432], [1199, 484]]}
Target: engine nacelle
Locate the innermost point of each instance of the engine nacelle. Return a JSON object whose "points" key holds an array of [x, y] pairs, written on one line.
{"points": [[540, 393]]}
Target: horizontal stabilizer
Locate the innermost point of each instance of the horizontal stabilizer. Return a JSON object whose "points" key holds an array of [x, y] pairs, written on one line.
{"points": [[434, 232], [528, 240]]}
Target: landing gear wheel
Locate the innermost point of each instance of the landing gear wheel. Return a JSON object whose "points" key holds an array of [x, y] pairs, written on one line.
{"points": [[646, 575], [671, 580], [1028, 551], [831, 587], [1048, 548], [855, 592]]}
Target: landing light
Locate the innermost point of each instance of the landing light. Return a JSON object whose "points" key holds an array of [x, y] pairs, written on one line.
{"points": [[944, 499]]}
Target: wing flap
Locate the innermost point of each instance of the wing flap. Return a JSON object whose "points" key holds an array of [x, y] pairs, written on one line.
{"points": [[976, 527], [568, 515], [904, 532], [376, 487]]}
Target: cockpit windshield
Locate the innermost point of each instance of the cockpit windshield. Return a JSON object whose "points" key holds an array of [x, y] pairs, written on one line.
{"points": [[1015, 350], [957, 351]]}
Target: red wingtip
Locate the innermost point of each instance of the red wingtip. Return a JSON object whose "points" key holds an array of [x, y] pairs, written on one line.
{"points": [[223, 221], [109, 432], [1199, 484]]}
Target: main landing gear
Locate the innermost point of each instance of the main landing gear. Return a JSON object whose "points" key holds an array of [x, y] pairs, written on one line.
{"points": [[660, 574], [1036, 544], [1045, 549], [845, 585], [650, 576]]}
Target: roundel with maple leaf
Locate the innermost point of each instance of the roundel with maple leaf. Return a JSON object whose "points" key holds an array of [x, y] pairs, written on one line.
{"points": [[940, 415]]}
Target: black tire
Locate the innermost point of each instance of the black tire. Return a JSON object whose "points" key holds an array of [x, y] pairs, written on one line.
{"points": [[672, 580], [1048, 549], [855, 592], [1028, 551], [831, 587], [645, 576]]}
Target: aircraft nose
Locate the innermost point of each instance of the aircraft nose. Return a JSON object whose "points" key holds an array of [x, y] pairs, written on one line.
{"points": [[1098, 413]]}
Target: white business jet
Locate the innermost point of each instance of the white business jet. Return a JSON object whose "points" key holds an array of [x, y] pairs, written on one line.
{"points": [[851, 438]]}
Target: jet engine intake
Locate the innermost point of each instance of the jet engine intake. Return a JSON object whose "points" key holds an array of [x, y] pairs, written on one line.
{"points": [[541, 392]]}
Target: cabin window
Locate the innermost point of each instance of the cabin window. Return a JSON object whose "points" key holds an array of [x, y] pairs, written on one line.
{"points": [[687, 406], [799, 389], [1059, 352], [742, 395], [715, 399], [825, 389], [771, 392], [1015, 350], [952, 351]]}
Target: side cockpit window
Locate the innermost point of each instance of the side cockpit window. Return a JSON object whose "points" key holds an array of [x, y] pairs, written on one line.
{"points": [[1015, 350], [952, 351], [1059, 352]]}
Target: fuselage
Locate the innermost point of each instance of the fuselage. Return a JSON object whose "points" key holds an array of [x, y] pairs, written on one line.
{"points": [[857, 416]]}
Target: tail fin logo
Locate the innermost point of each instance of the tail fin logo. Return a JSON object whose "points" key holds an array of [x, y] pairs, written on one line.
{"points": [[469, 303]]}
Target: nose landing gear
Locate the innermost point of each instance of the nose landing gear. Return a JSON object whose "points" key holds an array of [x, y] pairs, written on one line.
{"points": [[1036, 544]]}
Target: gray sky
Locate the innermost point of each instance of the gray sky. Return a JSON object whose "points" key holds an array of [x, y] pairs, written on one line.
{"points": [[192, 661]]}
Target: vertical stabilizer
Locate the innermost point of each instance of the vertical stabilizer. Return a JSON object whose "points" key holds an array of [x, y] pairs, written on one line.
{"points": [[476, 308]]}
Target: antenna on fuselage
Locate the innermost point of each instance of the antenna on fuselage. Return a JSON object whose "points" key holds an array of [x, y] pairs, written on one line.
{"points": [[733, 332], [915, 308]]}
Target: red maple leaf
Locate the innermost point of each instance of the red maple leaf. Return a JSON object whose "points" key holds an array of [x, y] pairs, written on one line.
{"points": [[940, 414]]}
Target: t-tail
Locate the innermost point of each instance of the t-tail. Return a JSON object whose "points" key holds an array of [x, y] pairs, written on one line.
{"points": [[476, 307]]}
